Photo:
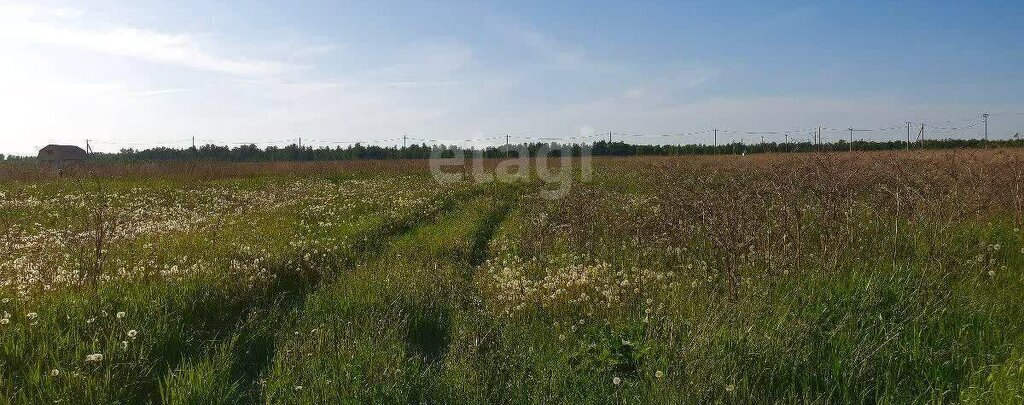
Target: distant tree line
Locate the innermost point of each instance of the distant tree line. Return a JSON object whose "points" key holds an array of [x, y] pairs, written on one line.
{"points": [[252, 153]]}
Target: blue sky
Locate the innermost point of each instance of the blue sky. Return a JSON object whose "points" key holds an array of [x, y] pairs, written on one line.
{"points": [[139, 74]]}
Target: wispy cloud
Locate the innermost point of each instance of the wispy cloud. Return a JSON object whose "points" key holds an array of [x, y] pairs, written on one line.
{"points": [[174, 49], [36, 26], [548, 49]]}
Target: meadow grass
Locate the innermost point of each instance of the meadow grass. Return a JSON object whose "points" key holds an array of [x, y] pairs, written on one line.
{"points": [[831, 278]]}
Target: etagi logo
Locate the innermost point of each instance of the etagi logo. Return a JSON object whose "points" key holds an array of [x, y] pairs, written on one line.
{"points": [[556, 167]]}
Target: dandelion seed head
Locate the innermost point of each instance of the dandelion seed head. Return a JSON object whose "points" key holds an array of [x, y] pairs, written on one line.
{"points": [[616, 380]]}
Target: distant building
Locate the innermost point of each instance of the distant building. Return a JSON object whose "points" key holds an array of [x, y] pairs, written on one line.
{"points": [[61, 154]]}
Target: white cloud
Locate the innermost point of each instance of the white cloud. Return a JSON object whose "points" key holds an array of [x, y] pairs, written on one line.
{"points": [[425, 62], [62, 27], [634, 92], [551, 51], [174, 49]]}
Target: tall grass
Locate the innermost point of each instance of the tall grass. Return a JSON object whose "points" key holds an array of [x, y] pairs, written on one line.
{"points": [[820, 278]]}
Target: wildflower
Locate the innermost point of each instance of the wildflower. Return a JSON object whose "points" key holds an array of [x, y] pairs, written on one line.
{"points": [[133, 333], [31, 315], [659, 374], [616, 381], [54, 373], [5, 321], [730, 388], [991, 273], [121, 315], [298, 388], [94, 358], [561, 337]]}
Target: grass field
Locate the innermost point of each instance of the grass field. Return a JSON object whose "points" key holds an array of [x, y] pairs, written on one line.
{"points": [[892, 277]]}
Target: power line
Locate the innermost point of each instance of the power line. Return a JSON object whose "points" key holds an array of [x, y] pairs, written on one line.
{"points": [[817, 135]]}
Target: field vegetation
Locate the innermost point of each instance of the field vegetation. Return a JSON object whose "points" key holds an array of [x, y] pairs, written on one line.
{"points": [[871, 277]]}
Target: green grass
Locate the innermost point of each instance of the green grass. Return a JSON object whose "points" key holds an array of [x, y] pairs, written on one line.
{"points": [[718, 282]]}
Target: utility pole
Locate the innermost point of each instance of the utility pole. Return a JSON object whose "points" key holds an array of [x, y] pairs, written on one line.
{"points": [[762, 143], [851, 139], [787, 142], [404, 138], [507, 148], [908, 135], [609, 137], [193, 141], [88, 149], [921, 135], [984, 117], [300, 142], [716, 141]]}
